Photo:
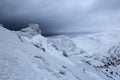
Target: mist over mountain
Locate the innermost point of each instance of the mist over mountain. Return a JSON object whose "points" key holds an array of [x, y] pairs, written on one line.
{"points": [[63, 16]]}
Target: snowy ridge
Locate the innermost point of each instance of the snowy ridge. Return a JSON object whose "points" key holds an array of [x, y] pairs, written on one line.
{"points": [[27, 55]]}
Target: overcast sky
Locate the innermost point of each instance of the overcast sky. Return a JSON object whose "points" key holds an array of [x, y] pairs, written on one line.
{"points": [[61, 16]]}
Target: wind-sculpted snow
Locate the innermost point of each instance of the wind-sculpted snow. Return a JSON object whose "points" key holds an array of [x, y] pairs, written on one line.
{"points": [[27, 55]]}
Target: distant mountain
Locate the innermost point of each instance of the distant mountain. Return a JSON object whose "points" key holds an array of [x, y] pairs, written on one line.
{"points": [[27, 55]]}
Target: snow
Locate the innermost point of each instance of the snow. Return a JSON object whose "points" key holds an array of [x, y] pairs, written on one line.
{"points": [[13, 64], [94, 75], [27, 55]]}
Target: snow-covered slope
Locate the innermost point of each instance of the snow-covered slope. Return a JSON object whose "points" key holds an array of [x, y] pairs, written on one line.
{"points": [[27, 55], [14, 61]]}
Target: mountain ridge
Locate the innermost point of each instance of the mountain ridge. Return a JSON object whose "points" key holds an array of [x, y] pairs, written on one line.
{"points": [[34, 57]]}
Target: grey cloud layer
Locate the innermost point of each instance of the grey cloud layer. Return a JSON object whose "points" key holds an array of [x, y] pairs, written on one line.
{"points": [[60, 16]]}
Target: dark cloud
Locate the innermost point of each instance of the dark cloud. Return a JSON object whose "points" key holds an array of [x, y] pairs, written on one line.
{"points": [[60, 16]]}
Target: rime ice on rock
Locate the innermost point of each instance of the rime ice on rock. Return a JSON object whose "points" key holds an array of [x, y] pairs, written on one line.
{"points": [[31, 30]]}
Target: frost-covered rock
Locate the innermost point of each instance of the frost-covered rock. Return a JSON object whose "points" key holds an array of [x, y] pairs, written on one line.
{"points": [[30, 31], [33, 35]]}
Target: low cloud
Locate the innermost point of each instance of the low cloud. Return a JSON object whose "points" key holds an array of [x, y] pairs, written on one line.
{"points": [[62, 16]]}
